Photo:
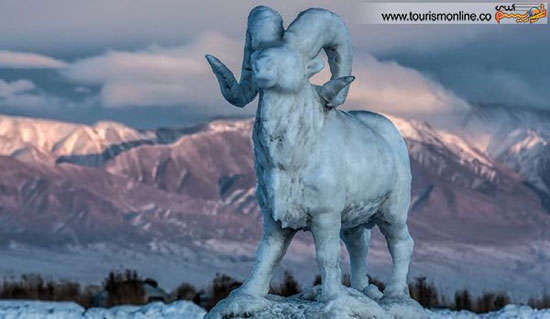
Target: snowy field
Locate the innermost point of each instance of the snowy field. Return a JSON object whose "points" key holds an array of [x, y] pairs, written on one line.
{"points": [[69, 310], [508, 312], [188, 310]]}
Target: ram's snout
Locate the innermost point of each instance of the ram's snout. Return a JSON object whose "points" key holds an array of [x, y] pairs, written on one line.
{"points": [[264, 71]]}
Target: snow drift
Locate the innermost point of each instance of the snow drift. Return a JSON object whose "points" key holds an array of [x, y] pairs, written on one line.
{"points": [[69, 310], [187, 310]]}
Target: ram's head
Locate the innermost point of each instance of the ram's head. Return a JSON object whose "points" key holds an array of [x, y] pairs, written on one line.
{"points": [[285, 60], [282, 68]]}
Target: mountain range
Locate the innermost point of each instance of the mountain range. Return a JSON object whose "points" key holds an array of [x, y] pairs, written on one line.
{"points": [[178, 203]]}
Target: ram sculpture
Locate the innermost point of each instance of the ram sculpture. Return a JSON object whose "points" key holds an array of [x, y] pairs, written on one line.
{"points": [[335, 173]]}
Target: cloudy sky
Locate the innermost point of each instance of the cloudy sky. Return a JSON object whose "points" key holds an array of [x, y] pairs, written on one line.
{"points": [[142, 62]]}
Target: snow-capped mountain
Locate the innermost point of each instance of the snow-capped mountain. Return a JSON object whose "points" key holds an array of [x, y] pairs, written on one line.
{"points": [[88, 184], [527, 152], [182, 192], [518, 139]]}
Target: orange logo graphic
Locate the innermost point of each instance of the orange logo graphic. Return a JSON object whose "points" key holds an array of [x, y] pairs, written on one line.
{"points": [[522, 13]]}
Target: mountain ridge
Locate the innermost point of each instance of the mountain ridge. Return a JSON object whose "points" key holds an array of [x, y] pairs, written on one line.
{"points": [[175, 190]]}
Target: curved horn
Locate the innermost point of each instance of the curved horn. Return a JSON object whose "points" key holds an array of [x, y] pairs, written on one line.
{"points": [[265, 27], [316, 29]]}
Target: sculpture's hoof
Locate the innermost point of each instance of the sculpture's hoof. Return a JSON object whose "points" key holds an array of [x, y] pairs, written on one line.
{"points": [[373, 292], [398, 296], [396, 292], [238, 305]]}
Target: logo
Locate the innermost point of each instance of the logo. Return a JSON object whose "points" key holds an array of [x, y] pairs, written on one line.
{"points": [[522, 13]]}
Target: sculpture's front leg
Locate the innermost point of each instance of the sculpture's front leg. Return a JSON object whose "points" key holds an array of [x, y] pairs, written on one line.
{"points": [[326, 233], [273, 245], [249, 297]]}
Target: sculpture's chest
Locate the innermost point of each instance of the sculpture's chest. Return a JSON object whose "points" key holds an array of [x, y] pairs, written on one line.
{"points": [[275, 144], [280, 180], [284, 137], [281, 194]]}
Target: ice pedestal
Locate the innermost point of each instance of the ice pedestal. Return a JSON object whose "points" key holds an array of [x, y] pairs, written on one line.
{"points": [[306, 305]]}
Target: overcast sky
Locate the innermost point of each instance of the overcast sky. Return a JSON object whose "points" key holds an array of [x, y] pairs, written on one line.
{"points": [[142, 62]]}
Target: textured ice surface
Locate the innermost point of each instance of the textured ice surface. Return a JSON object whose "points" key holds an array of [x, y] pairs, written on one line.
{"points": [[39, 310], [306, 305], [508, 312], [289, 308], [67, 310], [356, 306]]}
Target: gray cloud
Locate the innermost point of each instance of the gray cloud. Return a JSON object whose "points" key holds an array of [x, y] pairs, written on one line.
{"points": [[161, 76], [504, 67], [176, 76], [24, 94], [391, 88], [24, 60], [9, 89], [116, 58], [60, 27]]}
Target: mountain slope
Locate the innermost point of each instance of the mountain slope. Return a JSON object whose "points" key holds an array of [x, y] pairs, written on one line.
{"points": [[175, 192], [527, 152], [518, 139]]}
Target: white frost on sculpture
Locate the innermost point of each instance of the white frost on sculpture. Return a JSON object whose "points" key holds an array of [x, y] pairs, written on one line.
{"points": [[335, 173]]}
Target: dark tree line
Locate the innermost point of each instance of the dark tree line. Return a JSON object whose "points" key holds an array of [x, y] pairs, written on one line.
{"points": [[128, 288]]}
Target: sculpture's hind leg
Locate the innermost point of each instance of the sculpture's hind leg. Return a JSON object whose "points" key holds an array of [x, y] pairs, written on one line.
{"points": [[392, 221], [393, 224], [357, 243], [400, 245]]}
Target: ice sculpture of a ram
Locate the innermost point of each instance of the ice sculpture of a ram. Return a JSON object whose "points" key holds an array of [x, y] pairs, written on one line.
{"points": [[334, 173]]}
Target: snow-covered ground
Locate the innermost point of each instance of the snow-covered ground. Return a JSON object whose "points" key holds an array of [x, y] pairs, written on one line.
{"points": [[187, 310], [508, 312], [69, 310]]}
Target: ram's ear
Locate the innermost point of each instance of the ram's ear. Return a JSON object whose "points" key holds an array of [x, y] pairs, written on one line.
{"points": [[315, 66]]}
